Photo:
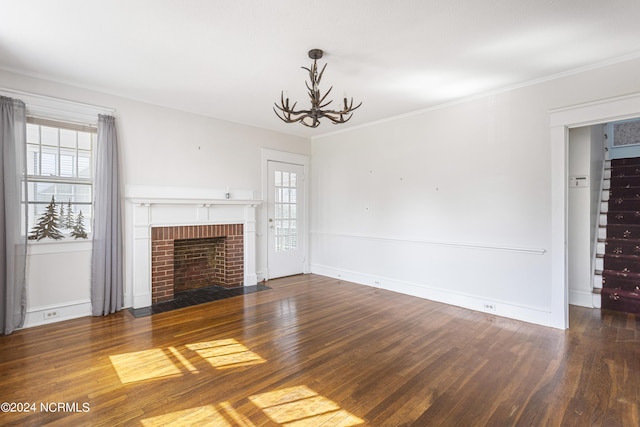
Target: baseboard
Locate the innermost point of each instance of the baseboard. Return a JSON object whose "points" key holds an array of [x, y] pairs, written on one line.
{"points": [[37, 316], [596, 300], [499, 308], [581, 298]]}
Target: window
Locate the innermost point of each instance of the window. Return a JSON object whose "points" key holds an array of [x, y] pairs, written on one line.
{"points": [[286, 184], [60, 168]]}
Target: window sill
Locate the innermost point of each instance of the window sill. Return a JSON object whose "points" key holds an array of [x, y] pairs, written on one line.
{"points": [[48, 246]]}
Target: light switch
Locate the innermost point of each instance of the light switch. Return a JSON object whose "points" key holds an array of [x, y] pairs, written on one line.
{"points": [[578, 181]]}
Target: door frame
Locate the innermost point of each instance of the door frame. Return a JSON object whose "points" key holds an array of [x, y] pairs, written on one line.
{"points": [[283, 157], [561, 120]]}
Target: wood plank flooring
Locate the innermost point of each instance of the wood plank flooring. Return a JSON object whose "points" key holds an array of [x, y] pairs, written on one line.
{"points": [[318, 351]]}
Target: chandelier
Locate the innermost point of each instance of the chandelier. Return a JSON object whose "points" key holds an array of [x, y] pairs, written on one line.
{"points": [[311, 118]]}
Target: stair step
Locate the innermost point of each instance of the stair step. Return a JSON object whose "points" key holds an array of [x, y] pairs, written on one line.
{"points": [[626, 170], [623, 217], [623, 231], [619, 204], [624, 192], [620, 300], [620, 280], [621, 246], [624, 181], [622, 263], [625, 162]]}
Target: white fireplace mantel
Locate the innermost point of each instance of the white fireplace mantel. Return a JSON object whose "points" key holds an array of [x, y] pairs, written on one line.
{"points": [[153, 206]]}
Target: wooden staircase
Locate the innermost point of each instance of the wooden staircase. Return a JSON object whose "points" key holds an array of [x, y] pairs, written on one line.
{"points": [[618, 247]]}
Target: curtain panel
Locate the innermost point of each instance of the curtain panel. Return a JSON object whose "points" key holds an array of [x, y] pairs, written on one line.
{"points": [[107, 279], [13, 214]]}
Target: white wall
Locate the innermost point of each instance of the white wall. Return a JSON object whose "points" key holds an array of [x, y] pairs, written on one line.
{"points": [[452, 204], [159, 147]]}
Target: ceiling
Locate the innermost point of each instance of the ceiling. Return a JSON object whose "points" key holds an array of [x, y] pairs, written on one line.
{"points": [[231, 59]]}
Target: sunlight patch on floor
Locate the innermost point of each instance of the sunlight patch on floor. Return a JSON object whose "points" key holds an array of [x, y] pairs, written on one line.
{"points": [[203, 415], [224, 354], [301, 406], [143, 365], [182, 359]]}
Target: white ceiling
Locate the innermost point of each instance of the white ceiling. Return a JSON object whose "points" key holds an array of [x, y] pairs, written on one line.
{"points": [[230, 59]]}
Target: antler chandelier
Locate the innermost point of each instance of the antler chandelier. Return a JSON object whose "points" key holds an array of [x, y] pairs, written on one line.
{"points": [[311, 118]]}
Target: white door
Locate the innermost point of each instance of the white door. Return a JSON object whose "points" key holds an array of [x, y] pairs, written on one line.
{"points": [[285, 219]]}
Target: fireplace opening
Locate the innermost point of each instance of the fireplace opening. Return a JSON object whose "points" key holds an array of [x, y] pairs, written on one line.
{"points": [[198, 263], [192, 257]]}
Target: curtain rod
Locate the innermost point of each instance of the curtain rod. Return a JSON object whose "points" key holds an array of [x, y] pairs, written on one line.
{"points": [[46, 98]]}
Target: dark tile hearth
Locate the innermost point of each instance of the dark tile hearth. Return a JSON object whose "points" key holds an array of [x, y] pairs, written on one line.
{"points": [[196, 296]]}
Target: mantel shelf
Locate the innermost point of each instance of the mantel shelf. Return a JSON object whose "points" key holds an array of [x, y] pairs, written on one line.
{"points": [[191, 201]]}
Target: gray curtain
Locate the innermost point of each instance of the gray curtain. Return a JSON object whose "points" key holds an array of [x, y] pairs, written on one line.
{"points": [[107, 257], [13, 212]]}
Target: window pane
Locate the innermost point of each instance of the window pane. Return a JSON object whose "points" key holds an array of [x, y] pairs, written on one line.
{"points": [[285, 179], [82, 193], [84, 164], [278, 178], [64, 192], [67, 162], [49, 161], [33, 133], [294, 179], [43, 191], [33, 156], [67, 138], [49, 136], [84, 140]]}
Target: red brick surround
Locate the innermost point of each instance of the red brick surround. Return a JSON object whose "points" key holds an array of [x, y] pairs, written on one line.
{"points": [[162, 255]]}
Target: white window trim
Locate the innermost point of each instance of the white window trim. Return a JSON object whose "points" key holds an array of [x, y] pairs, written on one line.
{"points": [[63, 110]]}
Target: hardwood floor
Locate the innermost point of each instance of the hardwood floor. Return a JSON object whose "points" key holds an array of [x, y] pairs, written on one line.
{"points": [[318, 351]]}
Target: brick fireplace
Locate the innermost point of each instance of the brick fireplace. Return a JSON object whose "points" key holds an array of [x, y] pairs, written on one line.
{"points": [[162, 217], [194, 256]]}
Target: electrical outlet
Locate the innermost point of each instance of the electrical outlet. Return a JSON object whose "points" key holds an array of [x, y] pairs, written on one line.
{"points": [[489, 307], [50, 315]]}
